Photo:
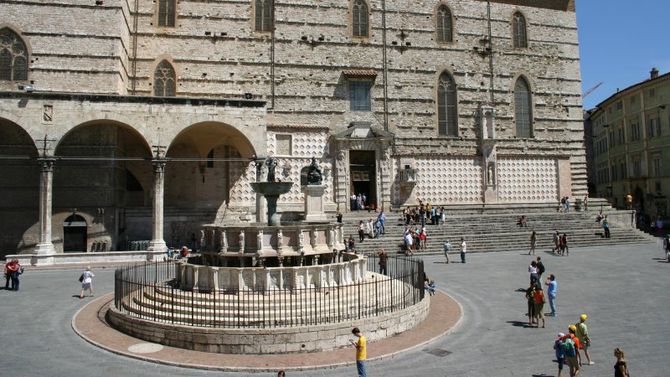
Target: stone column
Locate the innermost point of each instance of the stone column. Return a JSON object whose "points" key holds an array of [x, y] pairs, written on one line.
{"points": [[157, 243], [45, 246], [261, 204]]}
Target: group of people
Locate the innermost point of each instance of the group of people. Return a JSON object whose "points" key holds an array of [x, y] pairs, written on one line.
{"points": [[564, 205], [446, 247], [12, 272], [373, 228], [535, 295], [414, 239], [424, 213], [569, 348], [560, 244], [358, 202]]}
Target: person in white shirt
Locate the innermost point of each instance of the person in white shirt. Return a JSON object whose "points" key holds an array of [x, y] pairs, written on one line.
{"points": [[464, 248], [87, 282]]}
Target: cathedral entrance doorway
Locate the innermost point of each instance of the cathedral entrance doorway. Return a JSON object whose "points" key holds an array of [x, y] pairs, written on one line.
{"points": [[363, 176]]}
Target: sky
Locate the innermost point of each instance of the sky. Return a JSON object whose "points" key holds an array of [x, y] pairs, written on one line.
{"points": [[620, 41]]}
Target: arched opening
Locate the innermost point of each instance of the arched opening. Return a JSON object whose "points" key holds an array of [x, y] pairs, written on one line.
{"points": [[208, 173], [19, 188], [104, 172], [75, 232]]}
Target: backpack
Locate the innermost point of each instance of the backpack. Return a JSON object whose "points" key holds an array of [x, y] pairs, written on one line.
{"points": [[568, 347]]}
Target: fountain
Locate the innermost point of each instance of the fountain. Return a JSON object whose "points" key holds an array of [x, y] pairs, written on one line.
{"points": [[270, 287]]}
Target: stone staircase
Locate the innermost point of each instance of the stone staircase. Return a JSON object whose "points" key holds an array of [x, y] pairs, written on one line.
{"points": [[273, 308], [496, 230]]}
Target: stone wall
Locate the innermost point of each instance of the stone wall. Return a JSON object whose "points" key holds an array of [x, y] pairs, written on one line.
{"points": [[304, 90]]}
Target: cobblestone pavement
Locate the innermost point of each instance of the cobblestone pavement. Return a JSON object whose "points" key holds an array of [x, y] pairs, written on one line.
{"points": [[622, 289]]}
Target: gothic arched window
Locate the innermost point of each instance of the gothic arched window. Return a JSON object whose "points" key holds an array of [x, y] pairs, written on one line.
{"points": [[519, 32], [165, 82], [523, 114], [447, 110], [13, 56], [263, 15], [166, 12], [360, 19], [444, 25]]}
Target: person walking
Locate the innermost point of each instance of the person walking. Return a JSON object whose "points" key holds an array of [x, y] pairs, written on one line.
{"points": [[560, 354], [423, 237], [531, 303], [86, 282], [564, 245], [540, 269], [464, 249], [382, 221], [552, 290], [383, 261], [13, 270], [533, 242], [666, 246], [606, 226], [447, 249], [532, 270], [8, 273], [570, 343], [361, 231], [538, 305], [338, 216], [620, 367], [557, 243], [582, 333], [361, 351]]}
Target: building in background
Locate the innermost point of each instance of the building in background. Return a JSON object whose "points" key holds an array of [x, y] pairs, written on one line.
{"points": [[631, 145], [130, 124]]}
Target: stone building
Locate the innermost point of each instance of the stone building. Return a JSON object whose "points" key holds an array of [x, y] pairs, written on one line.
{"points": [[631, 145], [129, 121]]}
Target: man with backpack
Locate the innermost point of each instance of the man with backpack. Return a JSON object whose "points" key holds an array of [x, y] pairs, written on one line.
{"points": [[569, 345]]}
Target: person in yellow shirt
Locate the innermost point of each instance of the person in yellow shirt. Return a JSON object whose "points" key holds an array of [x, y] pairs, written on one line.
{"points": [[361, 351]]}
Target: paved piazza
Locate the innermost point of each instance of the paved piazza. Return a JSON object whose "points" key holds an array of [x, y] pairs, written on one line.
{"points": [[623, 289]]}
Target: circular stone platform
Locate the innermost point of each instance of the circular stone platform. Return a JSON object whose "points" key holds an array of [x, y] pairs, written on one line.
{"points": [[89, 323]]}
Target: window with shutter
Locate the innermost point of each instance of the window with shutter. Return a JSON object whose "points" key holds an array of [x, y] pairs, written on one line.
{"points": [[522, 109], [447, 110], [13, 56]]}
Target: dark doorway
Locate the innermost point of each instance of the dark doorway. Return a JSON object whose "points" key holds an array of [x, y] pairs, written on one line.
{"points": [[363, 170], [74, 234]]}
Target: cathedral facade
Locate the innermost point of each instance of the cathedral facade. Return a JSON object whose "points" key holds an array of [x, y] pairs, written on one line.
{"points": [[129, 124]]}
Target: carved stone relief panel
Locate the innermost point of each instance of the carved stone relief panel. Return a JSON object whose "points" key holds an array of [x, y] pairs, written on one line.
{"points": [[241, 193], [522, 180], [448, 180]]}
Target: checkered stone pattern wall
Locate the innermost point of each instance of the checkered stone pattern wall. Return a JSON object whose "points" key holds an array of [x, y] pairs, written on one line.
{"points": [[527, 180], [241, 194], [449, 181]]}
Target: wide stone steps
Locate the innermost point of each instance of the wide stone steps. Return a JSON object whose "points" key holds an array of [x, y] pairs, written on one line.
{"points": [[499, 232], [275, 308]]}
